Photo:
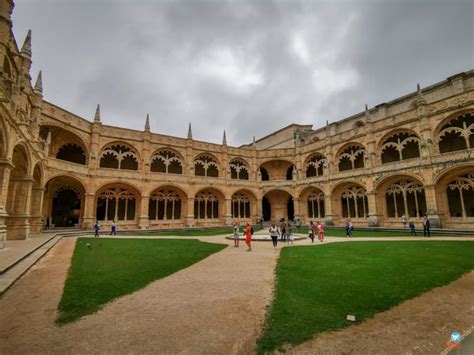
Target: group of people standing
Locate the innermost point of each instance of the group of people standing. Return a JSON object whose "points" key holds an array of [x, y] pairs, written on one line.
{"points": [[411, 226], [316, 228], [284, 233], [248, 232]]}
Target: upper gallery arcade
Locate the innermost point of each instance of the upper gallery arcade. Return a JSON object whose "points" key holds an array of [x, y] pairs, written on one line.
{"points": [[412, 156]]}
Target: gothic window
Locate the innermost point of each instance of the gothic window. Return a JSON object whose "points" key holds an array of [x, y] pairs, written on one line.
{"points": [[354, 202], [352, 158], [264, 174], [238, 170], [400, 146], [405, 198], [457, 134], [315, 165], [166, 162], [206, 206], [240, 206], [73, 153], [460, 194], [316, 204], [118, 156], [116, 205], [206, 165], [164, 205]]}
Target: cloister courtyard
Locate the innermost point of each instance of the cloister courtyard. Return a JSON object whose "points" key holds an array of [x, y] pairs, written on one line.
{"points": [[200, 294]]}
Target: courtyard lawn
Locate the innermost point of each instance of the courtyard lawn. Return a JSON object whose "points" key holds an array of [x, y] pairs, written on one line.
{"points": [[332, 232], [197, 233], [111, 268], [318, 286]]}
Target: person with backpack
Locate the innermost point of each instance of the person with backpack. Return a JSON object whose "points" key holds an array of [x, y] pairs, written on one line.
{"points": [[274, 235]]}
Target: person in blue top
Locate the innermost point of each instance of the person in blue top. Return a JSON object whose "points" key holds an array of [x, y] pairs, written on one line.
{"points": [[113, 229]]}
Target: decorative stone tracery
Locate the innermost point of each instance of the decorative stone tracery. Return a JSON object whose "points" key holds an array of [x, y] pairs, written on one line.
{"points": [[239, 170], [118, 156], [352, 157], [405, 198], [206, 206], [354, 202], [457, 134], [240, 206], [460, 194], [400, 146], [206, 165], [116, 204], [164, 205], [167, 162], [315, 165]]}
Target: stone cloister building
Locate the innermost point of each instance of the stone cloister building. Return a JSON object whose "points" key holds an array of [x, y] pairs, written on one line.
{"points": [[412, 156]]}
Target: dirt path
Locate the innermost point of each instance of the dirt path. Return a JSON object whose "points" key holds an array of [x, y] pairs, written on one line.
{"points": [[215, 306]]}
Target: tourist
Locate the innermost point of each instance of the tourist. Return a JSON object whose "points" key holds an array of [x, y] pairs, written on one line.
{"points": [[248, 236], [320, 232], [274, 235], [411, 225], [426, 227], [236, 234], [404, 221], [283, 229], [349, 228], [96, 229], [113, 229], [289, 234], [311, 231]]}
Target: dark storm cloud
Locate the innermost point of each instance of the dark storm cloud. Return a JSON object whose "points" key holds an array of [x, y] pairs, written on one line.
{"points": [[250, 67]]}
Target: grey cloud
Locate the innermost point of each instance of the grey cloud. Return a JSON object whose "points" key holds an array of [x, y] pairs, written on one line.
{"points": [[233, 64]]}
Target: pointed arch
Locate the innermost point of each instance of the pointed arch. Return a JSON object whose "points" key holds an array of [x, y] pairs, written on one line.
{"points": [[315, 164], [456, 132], [399, 145], [119, 155], [239, 169], [351, 156], [207, 165], [167, 161]]}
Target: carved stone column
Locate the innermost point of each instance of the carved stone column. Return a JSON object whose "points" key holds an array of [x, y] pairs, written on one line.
{"points": [[143, 221], [330, 216], [190, 212], [5, 167], [228, 211], [89, 207], [18, 225], [296, 209], [432, 206], [372, 209], [36, 220]]}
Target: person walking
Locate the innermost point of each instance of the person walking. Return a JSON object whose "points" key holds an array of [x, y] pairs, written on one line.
{"points": [[96, 229], [348, 228], [411, 225], [320, 232], [274, 235], [426, 227], [289, 234], [236, 234], [283, 229], [248, 236], [311, 231], [113, 229]]}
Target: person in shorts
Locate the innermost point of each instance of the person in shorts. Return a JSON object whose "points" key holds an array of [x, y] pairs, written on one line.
{"points": [[236, 234]]}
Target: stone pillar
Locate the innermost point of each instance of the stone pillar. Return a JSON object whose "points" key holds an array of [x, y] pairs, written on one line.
{"points": [[432, 206], [5, 167], [143, 221], [329, 215], [228, 212], [259, 208], [190, 212], [296, 208], [372, 209], [89, 207], [18, 225], [36, 220]]}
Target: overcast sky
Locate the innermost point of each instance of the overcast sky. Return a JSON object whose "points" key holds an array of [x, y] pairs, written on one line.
{"points": [[249, 67]]}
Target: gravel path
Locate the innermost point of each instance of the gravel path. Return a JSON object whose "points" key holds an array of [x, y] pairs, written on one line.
{"points": [[215, 306]]}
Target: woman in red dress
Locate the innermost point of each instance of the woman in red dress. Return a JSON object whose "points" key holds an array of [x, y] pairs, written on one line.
{"points": [[248, 236]]}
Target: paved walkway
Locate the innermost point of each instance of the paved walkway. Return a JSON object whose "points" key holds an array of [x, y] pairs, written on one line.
{"points": [[215, 306]]}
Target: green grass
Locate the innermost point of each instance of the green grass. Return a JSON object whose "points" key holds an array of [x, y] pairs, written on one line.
{"points": [[115, 267], [197, 233], [316, 287], [331, 232]]}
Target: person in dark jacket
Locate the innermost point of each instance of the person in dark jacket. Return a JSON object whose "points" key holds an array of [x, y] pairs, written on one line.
{"points": [[426, 227]]}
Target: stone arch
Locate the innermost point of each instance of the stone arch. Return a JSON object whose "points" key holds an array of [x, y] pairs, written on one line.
{"points": [[278, 204], [277, 169], [206, 164], [312, 205], [167, 160], [456, 132], [167, 206], [64, 201], [119, 202], [239, 169], [119, 155], [350, 199], [209, 206], [315, 164], [454, 189], [65, 144], [401, 195], [351, 156], [243, 205], [399, 145]]}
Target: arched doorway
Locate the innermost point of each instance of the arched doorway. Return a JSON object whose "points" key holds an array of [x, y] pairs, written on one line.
{"points": [[64, 200], [278, 204]]}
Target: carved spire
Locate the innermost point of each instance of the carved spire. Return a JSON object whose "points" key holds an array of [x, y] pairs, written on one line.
{"points": [[367, 115], [420, 99], [418, 91], [39, 84], [26, 48], [254, 142], [190, 132], [147, 123], [97, 114], [224, 139]]}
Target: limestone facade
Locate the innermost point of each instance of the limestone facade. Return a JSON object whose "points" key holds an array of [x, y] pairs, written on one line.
{"points": [[411, 157]]}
